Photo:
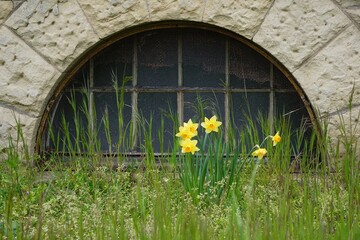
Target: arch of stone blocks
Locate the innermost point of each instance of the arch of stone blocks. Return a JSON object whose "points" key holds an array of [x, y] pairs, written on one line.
{"points": [[318, 42]]}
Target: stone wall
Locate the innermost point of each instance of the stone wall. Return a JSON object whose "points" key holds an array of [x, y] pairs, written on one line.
{"points": [[317, 41]]}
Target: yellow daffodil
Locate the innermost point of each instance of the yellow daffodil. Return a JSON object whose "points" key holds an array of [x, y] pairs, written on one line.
{"points": [[185, 133], [192, 127], [188, 146], [259, 153], [211, 125], [276, 139]]}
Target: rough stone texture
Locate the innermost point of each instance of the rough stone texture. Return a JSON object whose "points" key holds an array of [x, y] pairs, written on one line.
{"points": [[351, 132], [352, 7], [8, 127], [25, 77], [294, 30], [16, 3], [57, 29], [170, 9], [5, 8], [243, 17], [345, 117], [109, 16], [329, 76]]}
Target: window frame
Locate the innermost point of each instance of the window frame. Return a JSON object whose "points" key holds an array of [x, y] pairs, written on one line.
{"points": [[180, 89]]}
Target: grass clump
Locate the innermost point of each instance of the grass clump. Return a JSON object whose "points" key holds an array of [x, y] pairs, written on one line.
{"points": [[265, 202], [216, 188]]}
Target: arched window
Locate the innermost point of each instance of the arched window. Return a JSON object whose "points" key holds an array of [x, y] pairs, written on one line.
{"points": [[159, 77]]}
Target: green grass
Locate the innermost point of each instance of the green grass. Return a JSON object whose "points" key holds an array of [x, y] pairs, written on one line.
{"points": [[220, 193], [267, 202]]}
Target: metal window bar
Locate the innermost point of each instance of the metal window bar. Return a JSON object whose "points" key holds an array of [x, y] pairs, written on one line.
{"points": [[180, 94], [227, 97], [134, 95], [271, 99], [186, 89], [91, 100]]}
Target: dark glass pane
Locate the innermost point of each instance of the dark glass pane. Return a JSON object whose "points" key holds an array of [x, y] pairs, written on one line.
{"points": [[247, 68], [157, 106], [82, 78], [203, 59], [70, 122], [281, 81], [114, 62], [106, 106], [248, 106], [203, 104], [157, 58], [290, 105]]}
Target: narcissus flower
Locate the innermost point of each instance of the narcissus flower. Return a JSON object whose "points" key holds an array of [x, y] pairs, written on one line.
{"points": [[188, 146], [276, 139], [192, 127], [185, 133], [211, 125], [259, 153]]}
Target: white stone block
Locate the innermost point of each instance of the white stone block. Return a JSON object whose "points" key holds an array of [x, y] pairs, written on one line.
{"points": [[329, 77], [295, 30], [243, 17], [58, 30], [5, 9], [9, 122], [108, 17], [25, 77]]}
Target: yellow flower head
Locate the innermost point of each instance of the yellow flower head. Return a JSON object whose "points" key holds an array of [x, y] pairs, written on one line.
{"points": [[188, 146], [276, 139], [185, 133], [211, 125], [259, 153], [192, 127]]}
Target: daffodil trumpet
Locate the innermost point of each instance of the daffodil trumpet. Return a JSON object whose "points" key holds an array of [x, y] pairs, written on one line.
{"points": [[259, 152], [211, 125]]}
